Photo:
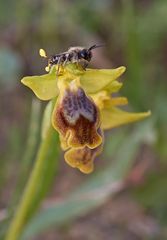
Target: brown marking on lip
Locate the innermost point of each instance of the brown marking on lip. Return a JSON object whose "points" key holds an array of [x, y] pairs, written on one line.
{"points": [[76, 118]]}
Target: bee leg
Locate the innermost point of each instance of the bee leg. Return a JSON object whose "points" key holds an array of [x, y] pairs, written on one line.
{"points": [[58, 66], [77, 61], [64, 63], [84, 65], [66, 60]]}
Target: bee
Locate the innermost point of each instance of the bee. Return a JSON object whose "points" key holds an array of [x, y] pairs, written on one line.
{"points": [[76, 55]]}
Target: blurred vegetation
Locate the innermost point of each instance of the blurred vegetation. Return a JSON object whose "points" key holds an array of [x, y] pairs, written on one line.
{"points": [[135, 34]]}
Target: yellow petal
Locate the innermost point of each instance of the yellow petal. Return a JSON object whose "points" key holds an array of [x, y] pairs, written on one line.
{"points": [[118, 101], [44, 86], [104, 100], [114, 117], [94, 80], [113, 87]]}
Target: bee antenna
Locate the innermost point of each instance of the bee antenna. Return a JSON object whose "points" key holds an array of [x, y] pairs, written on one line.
{"points": [[96, 46]]}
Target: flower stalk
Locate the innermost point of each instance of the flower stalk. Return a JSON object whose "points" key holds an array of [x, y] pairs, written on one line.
{"points": [[33, 189]]}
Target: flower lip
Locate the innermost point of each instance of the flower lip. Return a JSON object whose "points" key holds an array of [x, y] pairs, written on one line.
{"points": [[76, 118], [83, 158]]}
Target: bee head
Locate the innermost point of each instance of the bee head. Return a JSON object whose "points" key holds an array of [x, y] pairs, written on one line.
{"points": [[86, 54]]}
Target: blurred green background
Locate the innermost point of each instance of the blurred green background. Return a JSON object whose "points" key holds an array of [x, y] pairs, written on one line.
{"points": [[126, 197]]}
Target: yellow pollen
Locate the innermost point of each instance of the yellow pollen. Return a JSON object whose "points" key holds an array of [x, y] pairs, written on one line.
{"points": [[47, 69], [42, 53]]}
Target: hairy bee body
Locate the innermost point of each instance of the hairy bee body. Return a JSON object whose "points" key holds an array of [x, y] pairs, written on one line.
{"points": [[77, 55], [74, 55]]}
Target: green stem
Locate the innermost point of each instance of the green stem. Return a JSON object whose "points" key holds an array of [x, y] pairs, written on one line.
{"points": [[33, 132], [34, 185], [30, 148]]}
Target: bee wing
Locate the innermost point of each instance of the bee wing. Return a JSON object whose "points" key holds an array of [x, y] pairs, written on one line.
{"points": [[60, 54]]}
